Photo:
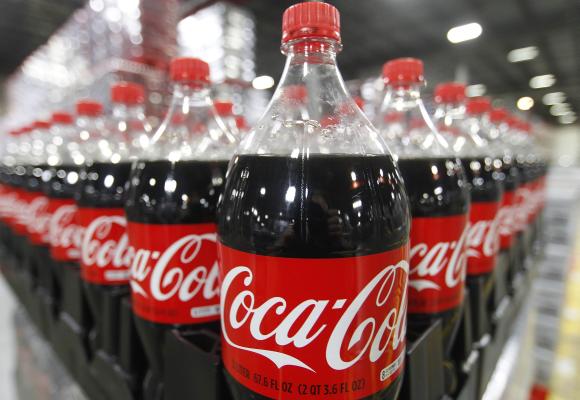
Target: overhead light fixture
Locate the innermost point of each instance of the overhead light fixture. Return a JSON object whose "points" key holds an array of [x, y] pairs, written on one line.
{"points": [[558, 110], [550, 99], [542, 81], [263, 82], [525, 103], [523, 54], [475, 90], [568, 119], [464, 33]]}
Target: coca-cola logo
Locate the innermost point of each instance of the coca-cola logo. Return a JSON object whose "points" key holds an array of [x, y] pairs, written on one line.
{"points": [[20, 211], [482, 238], [297, 326], [105, 243], [177, 270], [38, 216], [506, 218], [429, 262], [65, 235], [169, 274], [8, 203]]}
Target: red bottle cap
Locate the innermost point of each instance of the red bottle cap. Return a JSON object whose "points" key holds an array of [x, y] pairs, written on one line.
{"points": [[89, 108], [187, 69], [127, 93], [498, 115], [403, 71], [513, 122], [449, 93], [241, 122], [61, 117], [41, 124], [224, 108], [311, 20], [525, 126], [478, 105]]}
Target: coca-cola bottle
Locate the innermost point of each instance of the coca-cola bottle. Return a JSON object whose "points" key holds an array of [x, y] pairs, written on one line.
{"points": [[533, 167], [105, 253], [313, 237], [72, 146], [483, 170], [171, 213], [492, 126], [439, 197], [35, 215], [17, 157]]}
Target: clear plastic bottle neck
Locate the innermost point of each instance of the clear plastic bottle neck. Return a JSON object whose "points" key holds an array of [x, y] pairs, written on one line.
{"points": [[311, 110], [130, 132], [122, 111], [191, 128], [402, 98], [407, 126]]}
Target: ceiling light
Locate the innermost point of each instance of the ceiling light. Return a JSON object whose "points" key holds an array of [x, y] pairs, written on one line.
{"points": [[263, 82], [568, 119], [475, 90], [523, 54], [550, 99], [464, 33], [525, 103], [542, 81], [560, 109]]}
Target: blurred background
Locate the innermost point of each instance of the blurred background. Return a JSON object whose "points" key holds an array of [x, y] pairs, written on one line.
{"points": [[525, 54]]}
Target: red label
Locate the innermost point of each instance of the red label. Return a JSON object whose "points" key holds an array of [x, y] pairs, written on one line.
{"points": [[64, 232], [105, 253], [482, 237], [38, 219], [174, 274], [325, 328], [438, 263], [507, 219], [9, 201]]}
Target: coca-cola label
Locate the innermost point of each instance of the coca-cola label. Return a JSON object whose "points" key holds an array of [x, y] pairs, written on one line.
{"points": [[507, 219], [105, 252], [63, 230], [437, 263], [482, 237], [324, 328], [174, 273], [38, 219]]}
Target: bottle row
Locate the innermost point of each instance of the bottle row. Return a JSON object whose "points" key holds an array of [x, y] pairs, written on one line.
{"points": [[315, 243]]}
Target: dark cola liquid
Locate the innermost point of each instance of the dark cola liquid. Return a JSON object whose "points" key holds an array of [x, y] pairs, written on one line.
{"points": [[192, 200], [318, 221], [436, 187], [484, 178], [104, 185]]}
